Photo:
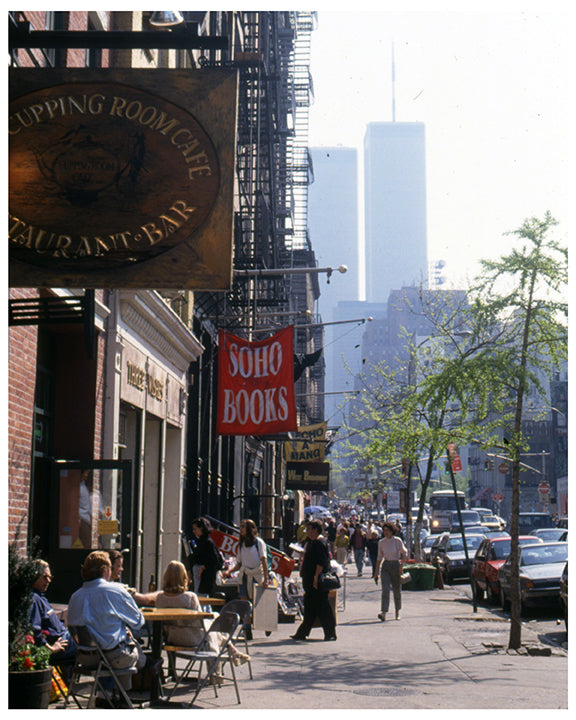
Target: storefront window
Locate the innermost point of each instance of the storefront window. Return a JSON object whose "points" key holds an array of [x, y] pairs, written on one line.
{"points": [[90, 508]]}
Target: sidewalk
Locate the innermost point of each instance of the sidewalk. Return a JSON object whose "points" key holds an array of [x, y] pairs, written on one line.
{"points": [[439, 655], [433, 657]]}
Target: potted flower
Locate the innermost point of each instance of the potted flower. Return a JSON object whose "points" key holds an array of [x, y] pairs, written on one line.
{"points": [[30, 673]]}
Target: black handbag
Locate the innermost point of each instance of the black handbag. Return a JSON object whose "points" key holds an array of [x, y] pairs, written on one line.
{"points": [[328, 580]]}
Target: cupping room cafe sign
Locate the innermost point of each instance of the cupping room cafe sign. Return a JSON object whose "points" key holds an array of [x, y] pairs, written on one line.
{"points": [[107, 175], [256, 384]]}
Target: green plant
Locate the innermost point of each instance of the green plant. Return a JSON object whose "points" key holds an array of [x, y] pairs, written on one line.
{"points": [[22, 571], [27, 656]]}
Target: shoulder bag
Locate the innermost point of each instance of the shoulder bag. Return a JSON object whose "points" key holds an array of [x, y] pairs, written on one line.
{"points": [[328, 580]]}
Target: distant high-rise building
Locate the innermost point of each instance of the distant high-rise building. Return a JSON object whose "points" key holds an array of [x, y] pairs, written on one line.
{"points": [[333, 226], [333, 221], [395, 207]]}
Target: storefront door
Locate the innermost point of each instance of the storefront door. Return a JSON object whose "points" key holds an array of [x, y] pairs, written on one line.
{"points": [[92, 510]]}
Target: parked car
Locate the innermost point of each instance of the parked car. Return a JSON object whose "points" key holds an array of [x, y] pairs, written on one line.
{"points": [[440, 541], [541, 568], [564, 592], [549, 534], [528, 521], [452, 556], [426, 546], [489, 558]]}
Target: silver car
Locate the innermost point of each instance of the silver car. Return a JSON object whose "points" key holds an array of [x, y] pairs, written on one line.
{"points": [[541, 568]]}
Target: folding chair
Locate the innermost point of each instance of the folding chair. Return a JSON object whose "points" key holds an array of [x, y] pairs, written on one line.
{"points": [[214, 660], [244, 609], [91, 660]]}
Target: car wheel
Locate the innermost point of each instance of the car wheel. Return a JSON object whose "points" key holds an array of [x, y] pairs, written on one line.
{"points": [[478, 592], [491, 596], [503, 601]]}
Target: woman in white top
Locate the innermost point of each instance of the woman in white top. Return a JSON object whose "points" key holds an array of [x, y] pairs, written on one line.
{"points": [[251, 564], [391, 556]]}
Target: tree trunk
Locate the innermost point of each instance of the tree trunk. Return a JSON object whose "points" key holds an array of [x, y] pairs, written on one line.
{"points": [[515, 639]]}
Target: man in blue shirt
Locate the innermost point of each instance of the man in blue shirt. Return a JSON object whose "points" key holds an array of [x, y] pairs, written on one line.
{"points": [[47, 627], [109, 612]]}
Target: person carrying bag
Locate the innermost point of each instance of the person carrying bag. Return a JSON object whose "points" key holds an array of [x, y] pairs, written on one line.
{"points": [[391, 556]]}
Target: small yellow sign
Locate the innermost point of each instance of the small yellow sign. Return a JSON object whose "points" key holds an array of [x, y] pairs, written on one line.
{"points": [[108, 527]]}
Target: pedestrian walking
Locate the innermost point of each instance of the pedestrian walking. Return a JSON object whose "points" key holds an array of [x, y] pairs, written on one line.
{"points": [[372, 548], [342, 546], [358, 545], [251, 565], [316, 601], [391, 556], [205, 560]]}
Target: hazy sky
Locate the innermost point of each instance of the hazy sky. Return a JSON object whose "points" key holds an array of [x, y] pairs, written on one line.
{"points": [[495, 91]]}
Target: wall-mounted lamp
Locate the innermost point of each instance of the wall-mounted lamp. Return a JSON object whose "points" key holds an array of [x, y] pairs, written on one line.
{"points": [[166, 18]]}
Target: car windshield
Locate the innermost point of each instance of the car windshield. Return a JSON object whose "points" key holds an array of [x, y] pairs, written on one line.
{"points": [[527, 523], [549, 535], [541, 554], [472, 543], [467, 516], [501, 549]]}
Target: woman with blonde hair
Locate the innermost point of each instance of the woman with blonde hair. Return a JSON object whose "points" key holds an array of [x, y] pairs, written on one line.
{"points": [[174, 594]]}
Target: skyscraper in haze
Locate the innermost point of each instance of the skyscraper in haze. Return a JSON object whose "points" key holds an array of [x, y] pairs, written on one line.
{"points": [[395, 207], [333, 226], [333, 221]]}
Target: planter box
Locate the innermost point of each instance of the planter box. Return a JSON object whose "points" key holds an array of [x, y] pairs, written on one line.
{"points": [[423, 577], [29, 689]]}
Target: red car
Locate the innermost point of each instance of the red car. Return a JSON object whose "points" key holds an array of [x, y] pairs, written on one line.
{"points": [[490, 556]]}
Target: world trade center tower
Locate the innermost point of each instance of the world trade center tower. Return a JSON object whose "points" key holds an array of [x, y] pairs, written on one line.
{"points": [[395, 207]]}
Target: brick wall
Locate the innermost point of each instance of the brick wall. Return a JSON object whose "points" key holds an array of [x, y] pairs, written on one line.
{"points": [[21, 386]]}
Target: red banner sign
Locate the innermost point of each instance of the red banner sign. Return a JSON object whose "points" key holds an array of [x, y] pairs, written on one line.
{"points": [[256, 384], [228, 545]]}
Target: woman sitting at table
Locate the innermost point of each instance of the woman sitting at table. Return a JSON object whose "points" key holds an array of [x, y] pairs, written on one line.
{"points": [[174, 594]]}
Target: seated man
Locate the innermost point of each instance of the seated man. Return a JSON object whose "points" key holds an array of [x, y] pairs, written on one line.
{"points": [[47, 627], [109, 612]]}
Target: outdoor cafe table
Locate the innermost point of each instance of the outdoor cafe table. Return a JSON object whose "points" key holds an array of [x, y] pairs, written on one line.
{"points": [[157, 615]]}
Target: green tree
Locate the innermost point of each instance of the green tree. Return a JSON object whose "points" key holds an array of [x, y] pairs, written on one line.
{"points": [[523, 294], [434, 395]]}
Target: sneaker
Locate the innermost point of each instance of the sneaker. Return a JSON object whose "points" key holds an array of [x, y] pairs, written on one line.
{"points": [[382, 616], [298, 637], [397, 614]]}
